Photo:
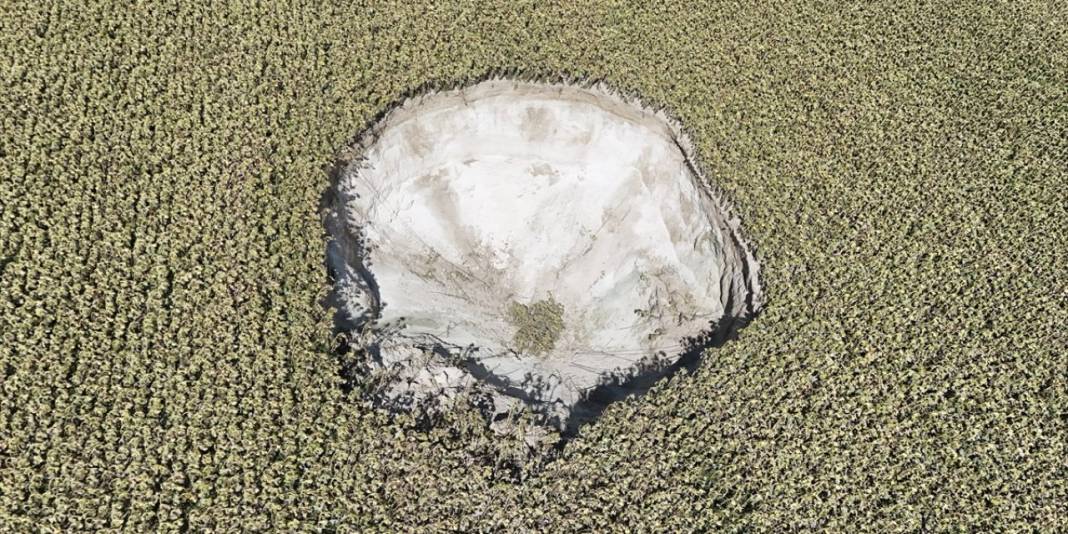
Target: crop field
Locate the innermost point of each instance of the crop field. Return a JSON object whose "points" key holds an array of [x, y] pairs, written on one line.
{"points": [[167, 363]]}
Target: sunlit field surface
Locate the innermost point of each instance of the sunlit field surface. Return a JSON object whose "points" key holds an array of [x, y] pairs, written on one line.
{"points": [[166, 362]]}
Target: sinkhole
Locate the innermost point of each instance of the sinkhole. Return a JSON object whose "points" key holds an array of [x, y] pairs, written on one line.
{"points": [[541, 246]]}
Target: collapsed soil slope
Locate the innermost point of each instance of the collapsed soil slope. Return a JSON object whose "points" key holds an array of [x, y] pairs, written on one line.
{"points": [[462, 209]]}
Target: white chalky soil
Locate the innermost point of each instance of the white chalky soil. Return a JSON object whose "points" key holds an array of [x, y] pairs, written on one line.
{"points": [[472, 199]]}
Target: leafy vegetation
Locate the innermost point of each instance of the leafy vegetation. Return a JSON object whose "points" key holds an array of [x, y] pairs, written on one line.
{"points": [[538, 325], [165, 363]]}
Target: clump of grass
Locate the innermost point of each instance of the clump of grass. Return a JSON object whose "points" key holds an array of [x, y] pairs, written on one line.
{"points": [[538, 325]]}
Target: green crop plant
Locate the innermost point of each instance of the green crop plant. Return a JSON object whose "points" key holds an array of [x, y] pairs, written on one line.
{"points": [[538, 325]]}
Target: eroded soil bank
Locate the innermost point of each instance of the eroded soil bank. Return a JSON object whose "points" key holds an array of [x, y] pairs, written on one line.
{"points": [[536, 244]]}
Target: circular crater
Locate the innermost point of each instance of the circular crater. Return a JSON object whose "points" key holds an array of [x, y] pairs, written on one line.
{"points": [[540, 245]]}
